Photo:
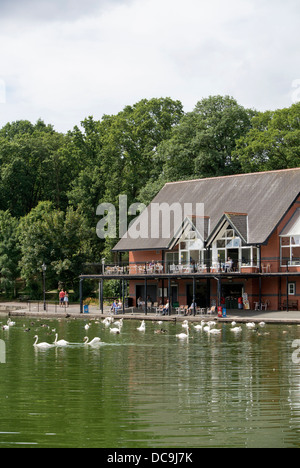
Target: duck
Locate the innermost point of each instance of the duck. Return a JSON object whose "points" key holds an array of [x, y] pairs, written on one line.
{"points": [[142, 327], [160, 332]]}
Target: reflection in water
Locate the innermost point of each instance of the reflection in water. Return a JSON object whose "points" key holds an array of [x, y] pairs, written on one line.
{"points": [[150, 390]]}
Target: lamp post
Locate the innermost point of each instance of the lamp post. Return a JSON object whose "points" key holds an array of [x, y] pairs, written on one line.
{"points": [[44, 268]]}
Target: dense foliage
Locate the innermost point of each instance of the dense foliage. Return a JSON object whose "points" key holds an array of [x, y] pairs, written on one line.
{"points": [[51, 183]]}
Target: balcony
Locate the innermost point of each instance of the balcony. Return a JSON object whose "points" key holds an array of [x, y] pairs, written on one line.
{"points": [[158, 269]]}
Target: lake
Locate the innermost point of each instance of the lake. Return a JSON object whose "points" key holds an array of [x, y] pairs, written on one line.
{"points": [[148, 390]]}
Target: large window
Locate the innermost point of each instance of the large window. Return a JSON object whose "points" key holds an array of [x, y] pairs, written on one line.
{"points": [[290, 250], [190, 249], [230, 245]]}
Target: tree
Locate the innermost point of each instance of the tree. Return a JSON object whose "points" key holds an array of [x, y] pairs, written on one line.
{"points": [[60, 240], [28, 159], [203, 143], [9, 252], [273, 141]]}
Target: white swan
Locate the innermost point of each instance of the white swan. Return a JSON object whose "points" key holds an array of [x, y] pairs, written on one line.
{"points": [[41, 345], [198, 327], [60, 342], [119, 323], [142, 328], [183, 336], [185, 324], [5, 327], [10, 323], [93, 342], [214, 331], [236, 329], [86, 327], [250, 325], [115, 331], [262, 324], [233, 324]]}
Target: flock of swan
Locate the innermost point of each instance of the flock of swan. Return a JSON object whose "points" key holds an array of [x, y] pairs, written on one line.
{"points": [[115, 327]]}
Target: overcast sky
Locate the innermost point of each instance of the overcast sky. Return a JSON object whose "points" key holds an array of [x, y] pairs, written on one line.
{"points": [[63, 60]]}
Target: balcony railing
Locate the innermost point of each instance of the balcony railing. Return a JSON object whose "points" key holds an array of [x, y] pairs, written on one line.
{"points": [[184, 268]]}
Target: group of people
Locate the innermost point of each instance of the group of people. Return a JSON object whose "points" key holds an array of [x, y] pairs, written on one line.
{"points": [[63, 298], [116, 306]]}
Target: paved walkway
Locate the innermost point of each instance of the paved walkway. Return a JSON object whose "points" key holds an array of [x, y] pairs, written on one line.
{"points": [[22, 309]]}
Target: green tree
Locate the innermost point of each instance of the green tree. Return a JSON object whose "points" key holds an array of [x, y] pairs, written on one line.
{"points": [[28, 166], [60, 240], [203, 143], [9, 253], [273, 141]]}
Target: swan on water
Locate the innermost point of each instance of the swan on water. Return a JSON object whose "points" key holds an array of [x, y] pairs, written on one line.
{"points": [[5, 327], [214, 331], [116, 331], [250, 325], [93, 342], [10, 323], [262, 324], [41, 345], [198, 327], [185, 324], [86, 327], [233, 324], [142, 326], [183, 336], [119, 323], [236, 329], [60, 342]]}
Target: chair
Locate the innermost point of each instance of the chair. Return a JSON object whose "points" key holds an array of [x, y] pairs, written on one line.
{"points": [[211, 310], [180, 310], [266, 268]]}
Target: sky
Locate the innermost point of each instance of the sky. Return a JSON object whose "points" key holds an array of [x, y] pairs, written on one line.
{"points": [[64, 60]]}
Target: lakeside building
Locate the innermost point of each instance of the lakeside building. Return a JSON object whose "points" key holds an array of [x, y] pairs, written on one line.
{"points": [[236, 236]]}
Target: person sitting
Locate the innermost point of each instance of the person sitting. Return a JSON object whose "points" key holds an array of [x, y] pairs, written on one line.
{"points": [[191, 309], [166, 309], [228, 265]]}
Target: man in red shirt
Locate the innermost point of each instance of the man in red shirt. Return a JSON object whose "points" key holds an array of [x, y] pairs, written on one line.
{"points": [[61, 298]]}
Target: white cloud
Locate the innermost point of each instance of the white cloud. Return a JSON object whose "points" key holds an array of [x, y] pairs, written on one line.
{"points": [[100, 61]]}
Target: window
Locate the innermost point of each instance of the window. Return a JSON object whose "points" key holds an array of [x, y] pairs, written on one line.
{"points": [[292, 289], [290, 250]]}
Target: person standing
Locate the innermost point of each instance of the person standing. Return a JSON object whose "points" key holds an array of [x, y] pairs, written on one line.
{"points": [[61, 298], [66, 299]]}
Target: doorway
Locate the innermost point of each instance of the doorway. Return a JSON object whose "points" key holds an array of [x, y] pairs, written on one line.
{"points": [[234, 255], [201, 295], [231, 292]]}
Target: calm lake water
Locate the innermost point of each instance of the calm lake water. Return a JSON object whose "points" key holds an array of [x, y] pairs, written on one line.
{"points": [[144, 390]]}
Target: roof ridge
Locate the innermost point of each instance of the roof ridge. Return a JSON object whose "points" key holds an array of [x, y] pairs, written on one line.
{"points": [[233, 175]]}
